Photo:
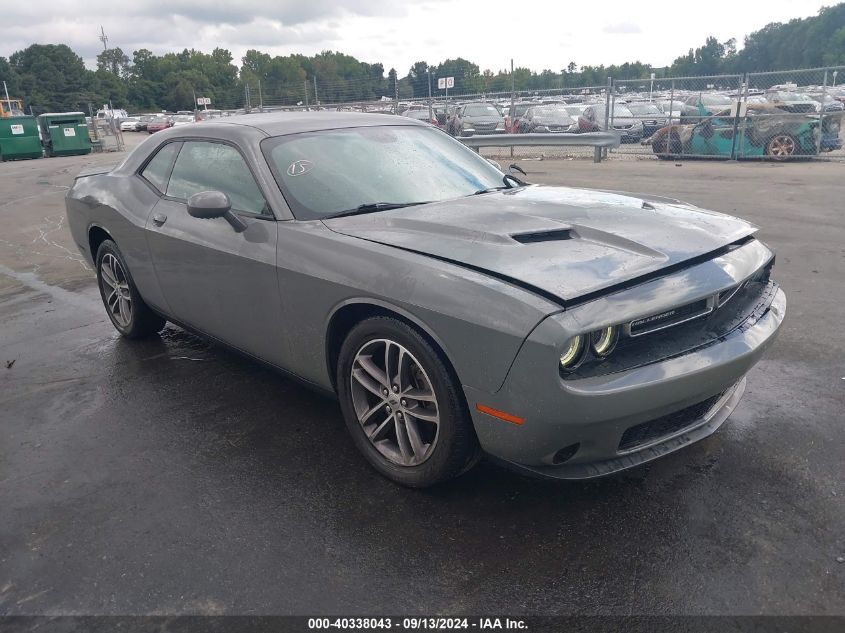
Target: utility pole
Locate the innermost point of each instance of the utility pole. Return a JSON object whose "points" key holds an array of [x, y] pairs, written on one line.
{"points": [[305, 84], [316, 99], [103, 38]]}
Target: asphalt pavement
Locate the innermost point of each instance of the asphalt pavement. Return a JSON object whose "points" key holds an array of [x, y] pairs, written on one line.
{"points": [[171, 476]]}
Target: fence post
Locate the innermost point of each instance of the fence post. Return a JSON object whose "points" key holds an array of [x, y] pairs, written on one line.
{"points": [[669, 121], [821, 115], [739, 91], [305, 84], [260, 98], [607, 97], [513, 100]]}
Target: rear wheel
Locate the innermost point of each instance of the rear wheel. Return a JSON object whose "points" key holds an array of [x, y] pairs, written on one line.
{"points": [[402, 405], [782, 146], [126, 309]]}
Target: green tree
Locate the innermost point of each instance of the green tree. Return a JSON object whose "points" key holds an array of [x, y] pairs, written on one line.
{"points": [[51, 77], [115, 61]]}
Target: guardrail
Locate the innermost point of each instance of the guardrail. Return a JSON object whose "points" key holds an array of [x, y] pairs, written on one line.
{"points": [[598, 140]]}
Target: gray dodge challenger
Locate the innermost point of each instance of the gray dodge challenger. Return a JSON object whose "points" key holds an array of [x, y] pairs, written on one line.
{"points": [[454, 310]]}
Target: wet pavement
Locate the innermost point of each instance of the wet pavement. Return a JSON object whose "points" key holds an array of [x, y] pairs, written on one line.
{"points": [[170, 476]]}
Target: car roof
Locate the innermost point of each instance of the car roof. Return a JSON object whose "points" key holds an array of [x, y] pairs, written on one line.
{"points": [[280, 123]]}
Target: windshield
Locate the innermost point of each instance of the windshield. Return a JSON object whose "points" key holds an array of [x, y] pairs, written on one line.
{"points": [[621, 111], [644, 108], [481, 109], [330, 171]]}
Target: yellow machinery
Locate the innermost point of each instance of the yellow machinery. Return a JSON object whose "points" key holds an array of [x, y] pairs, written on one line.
{"points": [[10, 107]]}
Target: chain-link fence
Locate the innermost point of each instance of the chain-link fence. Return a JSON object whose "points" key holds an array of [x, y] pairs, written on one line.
{"points": [[772, 115]]}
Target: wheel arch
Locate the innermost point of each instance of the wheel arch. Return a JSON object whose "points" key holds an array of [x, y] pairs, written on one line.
{"points": [[96, 236], [349, 313]]}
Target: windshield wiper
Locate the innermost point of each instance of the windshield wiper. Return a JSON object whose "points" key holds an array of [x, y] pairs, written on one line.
{"points": [[507, 179], [373, 207], [490, 190]]}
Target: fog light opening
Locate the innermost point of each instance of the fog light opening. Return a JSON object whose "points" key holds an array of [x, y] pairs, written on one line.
{"points": [[565, 454]]}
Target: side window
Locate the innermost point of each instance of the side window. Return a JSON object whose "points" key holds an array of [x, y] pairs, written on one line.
{"points": [[209, 166], [158, 169]]}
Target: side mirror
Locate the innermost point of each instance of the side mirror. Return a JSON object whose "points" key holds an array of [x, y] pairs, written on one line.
{"points": [[207, 205]]}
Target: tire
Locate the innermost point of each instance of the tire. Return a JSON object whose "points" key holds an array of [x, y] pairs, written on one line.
{"points": [[441, 451], [782, 146], [126, 309]]}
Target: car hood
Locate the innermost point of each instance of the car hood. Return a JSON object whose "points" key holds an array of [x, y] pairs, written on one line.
{"points": [[563, 242]]}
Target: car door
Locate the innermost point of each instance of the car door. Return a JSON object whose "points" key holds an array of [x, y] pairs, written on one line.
{"points": [[213, 278]]}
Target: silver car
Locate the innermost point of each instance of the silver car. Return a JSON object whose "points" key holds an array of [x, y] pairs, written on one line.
{"points": [[452, 309]]}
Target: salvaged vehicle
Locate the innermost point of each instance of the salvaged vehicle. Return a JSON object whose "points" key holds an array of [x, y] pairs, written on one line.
{"points": [[621, 119], [765, 131], [452, 309], [476, 118], [548, 119]]}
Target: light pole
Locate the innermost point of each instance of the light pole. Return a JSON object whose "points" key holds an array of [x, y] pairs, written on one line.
{"points": [[430, 114]]}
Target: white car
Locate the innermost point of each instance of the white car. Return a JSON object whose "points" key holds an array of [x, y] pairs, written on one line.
{"points": [[130, 125], [183, 119]]}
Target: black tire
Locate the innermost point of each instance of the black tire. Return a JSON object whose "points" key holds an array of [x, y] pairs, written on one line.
{"points": [[456, 449], [143, 321]]}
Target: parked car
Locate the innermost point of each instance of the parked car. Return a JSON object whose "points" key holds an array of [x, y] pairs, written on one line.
{"points": [[702, 105], [649, 115], [765, 131], [621, 119], [420, 115], [158, 124], [792, 101], [144, 120], [669, 107], [476, 118], [515, 114], [130, 124], [452, 309], [549, 119], [183, 119]]}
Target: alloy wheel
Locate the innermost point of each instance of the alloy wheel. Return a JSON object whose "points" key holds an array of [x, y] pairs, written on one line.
{"points": [[115, 286], [395, 402], [781, 146]]}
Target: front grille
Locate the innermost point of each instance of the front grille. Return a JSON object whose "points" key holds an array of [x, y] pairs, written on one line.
{"points": [[648, 432], [484, 126]]}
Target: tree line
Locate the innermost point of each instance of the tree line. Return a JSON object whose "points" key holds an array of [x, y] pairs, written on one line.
{"points": [[52, 77]]}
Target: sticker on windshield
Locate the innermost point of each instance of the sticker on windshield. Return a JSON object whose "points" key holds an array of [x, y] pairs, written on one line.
{"points": [[299, 167]]}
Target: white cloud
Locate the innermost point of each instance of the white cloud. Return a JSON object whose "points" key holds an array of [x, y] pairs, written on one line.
{"points": [[543, 34]]}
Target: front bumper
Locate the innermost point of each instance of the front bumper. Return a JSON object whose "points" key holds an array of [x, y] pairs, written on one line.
{"points": [[598, 413], [476, 132]]}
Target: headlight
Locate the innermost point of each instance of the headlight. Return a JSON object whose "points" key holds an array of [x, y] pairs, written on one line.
{"points": [[603, 341], [500, 125], [541, 128], [573, 352], [466, 125]]}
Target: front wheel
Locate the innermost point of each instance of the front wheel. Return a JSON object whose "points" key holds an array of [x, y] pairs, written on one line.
{"points": [[402, 404], [126, 309]]}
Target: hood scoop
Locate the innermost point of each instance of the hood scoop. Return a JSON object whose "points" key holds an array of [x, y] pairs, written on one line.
{"points": [[553, 235]]}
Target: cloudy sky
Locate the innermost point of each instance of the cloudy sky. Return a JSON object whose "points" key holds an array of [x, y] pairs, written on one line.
{"points": [[536, 33]]}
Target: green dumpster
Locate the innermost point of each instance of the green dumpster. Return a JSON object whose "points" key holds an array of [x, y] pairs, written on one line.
{"points": [[64, 133], [19, 138]]}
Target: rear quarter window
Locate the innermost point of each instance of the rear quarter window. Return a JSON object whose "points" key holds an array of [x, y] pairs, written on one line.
{"points": [[157, 171]]}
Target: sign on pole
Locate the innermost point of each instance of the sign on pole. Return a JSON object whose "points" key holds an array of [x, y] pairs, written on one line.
{"points": [[444, 83], [203, 100], [450, 82]]}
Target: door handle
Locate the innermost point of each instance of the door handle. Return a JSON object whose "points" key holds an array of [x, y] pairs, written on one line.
{"points": [[159, 219]]}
